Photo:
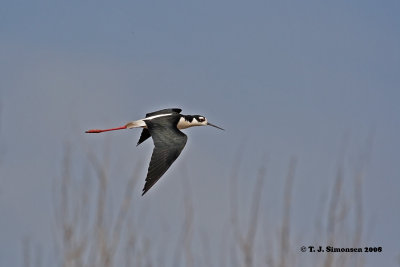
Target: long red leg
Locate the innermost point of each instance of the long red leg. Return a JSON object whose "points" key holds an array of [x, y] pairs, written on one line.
{"points": [[105, 130]]}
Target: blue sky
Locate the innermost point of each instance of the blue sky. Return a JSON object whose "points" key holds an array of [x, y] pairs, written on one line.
{"points": [[309, 79]]}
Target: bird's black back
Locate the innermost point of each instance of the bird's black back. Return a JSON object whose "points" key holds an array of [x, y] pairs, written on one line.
{"points": [[164, 111], [145, 133]]}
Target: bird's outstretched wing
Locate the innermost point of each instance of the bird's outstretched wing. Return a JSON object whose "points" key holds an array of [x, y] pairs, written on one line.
{"points": [[145, 133], [168, 144]]}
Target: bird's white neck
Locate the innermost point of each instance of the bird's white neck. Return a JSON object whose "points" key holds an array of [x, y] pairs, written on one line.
{"points": [[183, 123]]}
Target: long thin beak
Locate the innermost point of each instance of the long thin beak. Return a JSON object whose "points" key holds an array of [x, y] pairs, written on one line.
{"points": [[213, 125]]}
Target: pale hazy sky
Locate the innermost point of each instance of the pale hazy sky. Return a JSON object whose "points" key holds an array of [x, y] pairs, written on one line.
{"points": [[311, 79]]}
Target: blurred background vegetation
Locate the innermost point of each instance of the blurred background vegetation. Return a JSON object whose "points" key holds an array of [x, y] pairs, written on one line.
{"points": [[98, 223]]}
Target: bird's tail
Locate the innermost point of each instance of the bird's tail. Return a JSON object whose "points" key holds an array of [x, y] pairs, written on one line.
{"points": [[136, 124]]}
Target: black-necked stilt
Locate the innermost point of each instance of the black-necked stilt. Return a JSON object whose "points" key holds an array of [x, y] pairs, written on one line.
{"points": [[164, 127]]}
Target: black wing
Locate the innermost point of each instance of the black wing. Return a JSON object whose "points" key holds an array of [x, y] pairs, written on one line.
{"points": [[145, 133], [168, 144]]}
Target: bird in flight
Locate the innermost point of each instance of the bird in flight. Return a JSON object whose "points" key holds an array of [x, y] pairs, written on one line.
{"points": [[164, 127]]}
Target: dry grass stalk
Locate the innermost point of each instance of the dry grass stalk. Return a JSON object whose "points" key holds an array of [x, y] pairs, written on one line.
{"points": [[285, 232]]}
